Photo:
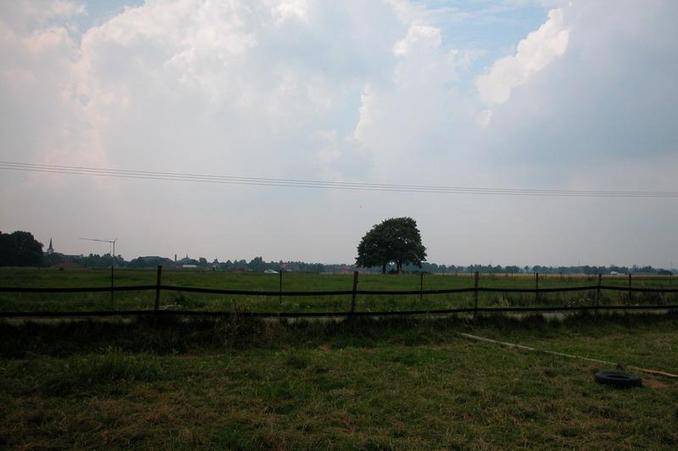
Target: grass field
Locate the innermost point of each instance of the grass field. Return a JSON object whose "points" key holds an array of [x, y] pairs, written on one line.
{"points": [[41, 277], [361, 384]]}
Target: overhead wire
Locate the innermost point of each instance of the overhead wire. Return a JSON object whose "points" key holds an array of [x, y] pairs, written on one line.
{"points": [[321, 184]]}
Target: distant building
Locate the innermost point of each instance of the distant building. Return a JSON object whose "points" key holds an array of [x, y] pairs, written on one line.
{"points": [[50, 249]]}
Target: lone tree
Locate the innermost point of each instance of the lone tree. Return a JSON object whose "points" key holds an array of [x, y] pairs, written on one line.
{"points": [[394, 240]]}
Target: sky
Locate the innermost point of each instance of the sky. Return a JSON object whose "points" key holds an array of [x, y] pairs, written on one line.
{"points": [[572, 95]]}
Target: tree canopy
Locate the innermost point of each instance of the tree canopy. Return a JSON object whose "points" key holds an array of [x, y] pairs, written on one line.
{"points": [[394, 240], [19, 249]]}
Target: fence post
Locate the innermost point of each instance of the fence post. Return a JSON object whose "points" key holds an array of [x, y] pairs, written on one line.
{"points": [[158, 276], [353, 294], [600, 278], [280, 287], [421, 286], [476, 279], [112, 285], [630, 292], [536, 286]]}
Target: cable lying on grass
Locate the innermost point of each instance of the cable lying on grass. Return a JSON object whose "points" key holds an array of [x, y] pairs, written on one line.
{"points": [[562, 354]]}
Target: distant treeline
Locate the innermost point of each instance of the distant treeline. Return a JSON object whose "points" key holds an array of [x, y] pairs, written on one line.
{"points": [[258, 264], [21, 249], [513, 269]]}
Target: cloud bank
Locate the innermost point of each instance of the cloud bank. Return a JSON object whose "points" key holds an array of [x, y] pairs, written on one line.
{"points": [[356, 91]]}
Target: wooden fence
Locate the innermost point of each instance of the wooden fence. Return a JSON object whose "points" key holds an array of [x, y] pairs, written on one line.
{"points": [[353, 293]]}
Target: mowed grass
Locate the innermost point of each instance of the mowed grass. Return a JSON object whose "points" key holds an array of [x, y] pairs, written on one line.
{"points": [[360, 384], [48, 277]]}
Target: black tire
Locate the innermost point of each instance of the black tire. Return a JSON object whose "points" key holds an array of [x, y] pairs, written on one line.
{"points": [[619, 379]]}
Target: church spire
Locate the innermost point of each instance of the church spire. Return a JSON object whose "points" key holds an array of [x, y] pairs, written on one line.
{"points": [[50, 249]]}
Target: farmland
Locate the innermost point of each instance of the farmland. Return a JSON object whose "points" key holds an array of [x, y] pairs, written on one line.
{"points": [[32, 277], [240, 383]]}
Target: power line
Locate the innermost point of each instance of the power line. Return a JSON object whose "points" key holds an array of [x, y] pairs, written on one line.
{"points": [[322, 184]]}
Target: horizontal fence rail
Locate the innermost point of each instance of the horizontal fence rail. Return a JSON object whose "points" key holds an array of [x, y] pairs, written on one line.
{"points": [[105, 313], [476, 289], [61, 290], [272, 293]]}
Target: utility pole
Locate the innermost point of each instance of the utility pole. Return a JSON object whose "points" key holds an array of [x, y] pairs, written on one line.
{"points": [[112, 243]]}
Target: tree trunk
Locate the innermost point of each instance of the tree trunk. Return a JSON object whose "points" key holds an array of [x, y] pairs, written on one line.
{"points": [[383, 268]]}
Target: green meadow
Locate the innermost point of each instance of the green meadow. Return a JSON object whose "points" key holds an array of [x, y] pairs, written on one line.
{"points": [[48, 277], [355, 384]]}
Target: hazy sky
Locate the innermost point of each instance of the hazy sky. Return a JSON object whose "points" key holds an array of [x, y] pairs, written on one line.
{"points": [[511, 94]]}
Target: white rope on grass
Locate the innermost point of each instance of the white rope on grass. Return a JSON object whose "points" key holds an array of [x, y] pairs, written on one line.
{"points": [[563, 354]]}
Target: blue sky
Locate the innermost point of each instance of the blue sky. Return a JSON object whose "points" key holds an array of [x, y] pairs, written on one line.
{"points": [[490, 27], [516, 93], [97, 11]]}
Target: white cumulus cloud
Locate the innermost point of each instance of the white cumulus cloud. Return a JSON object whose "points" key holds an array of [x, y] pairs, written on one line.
{"points": [[291, 10], [533, 54], [419, 37]]}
